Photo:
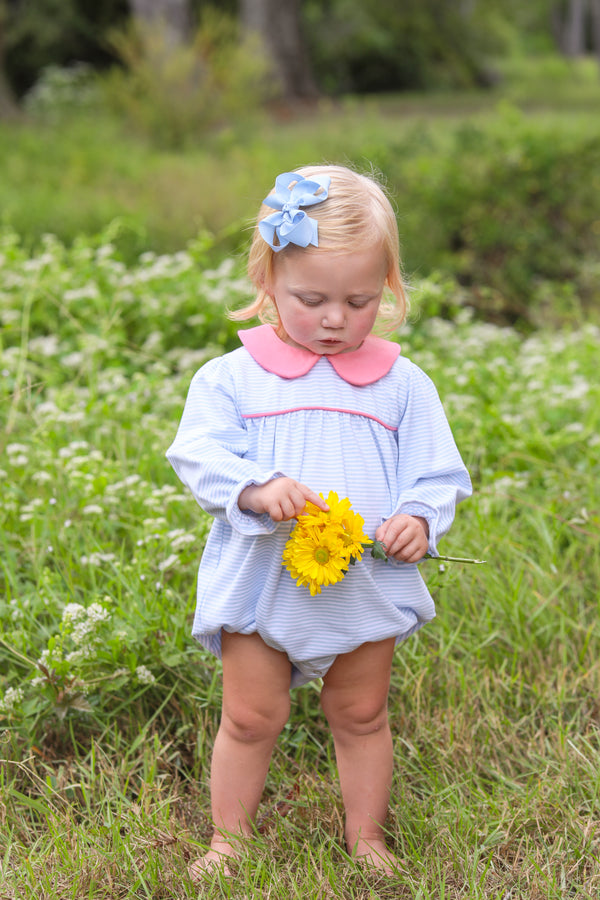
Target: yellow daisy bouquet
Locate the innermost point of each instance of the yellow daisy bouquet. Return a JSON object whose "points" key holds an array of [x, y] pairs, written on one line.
{"points": [[323, 544]]}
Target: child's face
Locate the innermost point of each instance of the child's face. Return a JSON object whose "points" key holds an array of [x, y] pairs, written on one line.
{"points": [[328, 302]]}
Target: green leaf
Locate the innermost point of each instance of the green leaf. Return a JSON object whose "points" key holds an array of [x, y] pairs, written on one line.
{"points": [[378, 550]]}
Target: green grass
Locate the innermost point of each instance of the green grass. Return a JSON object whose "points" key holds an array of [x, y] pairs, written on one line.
{"points": [[109, 708]]}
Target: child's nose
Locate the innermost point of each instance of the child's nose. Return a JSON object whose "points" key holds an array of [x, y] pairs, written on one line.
{"points": [[334, 317]]}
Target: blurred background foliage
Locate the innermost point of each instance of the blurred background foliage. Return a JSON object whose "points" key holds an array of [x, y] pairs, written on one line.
{"points": [[353, 47], [168, 118]]}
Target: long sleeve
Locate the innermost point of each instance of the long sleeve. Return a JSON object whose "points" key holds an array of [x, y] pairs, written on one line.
{"points": [[208, 453], [432, 477]]}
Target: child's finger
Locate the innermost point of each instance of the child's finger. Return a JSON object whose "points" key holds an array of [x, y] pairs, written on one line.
{"points": [[314, 498]]}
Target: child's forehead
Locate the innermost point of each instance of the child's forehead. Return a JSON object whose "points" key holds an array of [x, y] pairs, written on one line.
{"points": [[307, 267], [308, 258]]}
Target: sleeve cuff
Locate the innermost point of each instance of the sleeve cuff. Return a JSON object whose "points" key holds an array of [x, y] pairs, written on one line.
{"points": [[247, 522], [425, 512]]}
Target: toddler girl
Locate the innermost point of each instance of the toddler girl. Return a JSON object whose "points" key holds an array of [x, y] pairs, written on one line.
{"points": [[311, 403]]}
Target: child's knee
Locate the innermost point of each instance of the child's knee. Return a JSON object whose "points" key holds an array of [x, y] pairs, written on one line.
{"points": [[359, 717], [252, 723]]}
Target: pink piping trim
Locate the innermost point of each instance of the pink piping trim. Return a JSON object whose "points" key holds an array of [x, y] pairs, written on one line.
{"points": [[352, 412]]}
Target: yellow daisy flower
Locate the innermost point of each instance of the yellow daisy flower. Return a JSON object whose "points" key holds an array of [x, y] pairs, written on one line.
{"points": [[336, 512], [350, 524], [315, 557], [323, 544]]}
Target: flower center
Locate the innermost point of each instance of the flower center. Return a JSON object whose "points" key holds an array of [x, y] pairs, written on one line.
{"points": [[322, 555]]}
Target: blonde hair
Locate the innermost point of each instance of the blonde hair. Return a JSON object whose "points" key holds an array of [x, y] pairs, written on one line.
{"points": [[356, 215]]}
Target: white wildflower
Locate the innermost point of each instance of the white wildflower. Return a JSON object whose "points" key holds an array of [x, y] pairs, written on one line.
{"points": [[92, 510], [88, 292], [182, 540], [46, 659], [168, 563], [97, 559], [105, 251], [17, 461], [73, 360], [12, 697], [144, 675], [156, 522], [41, 478], [86, 651], [71, 418], [16, 613], [45, 345], [97, 613], [73, 612], [46, 408], [82, 632]]}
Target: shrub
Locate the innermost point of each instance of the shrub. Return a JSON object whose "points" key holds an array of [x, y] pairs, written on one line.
{"points": [[176, 93], [503, 209], [59, 91]]}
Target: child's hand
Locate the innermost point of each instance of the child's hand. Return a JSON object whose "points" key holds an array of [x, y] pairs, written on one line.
{"points": [[281, 498], [405, 537]]}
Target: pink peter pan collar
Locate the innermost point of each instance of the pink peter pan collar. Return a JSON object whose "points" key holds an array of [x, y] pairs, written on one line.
{"points": [[370, 362]]}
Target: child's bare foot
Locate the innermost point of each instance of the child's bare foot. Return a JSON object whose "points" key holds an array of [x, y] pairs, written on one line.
{"points": [[375, 855], [216, 861]]}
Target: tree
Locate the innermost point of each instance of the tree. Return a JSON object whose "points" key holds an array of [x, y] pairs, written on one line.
{"points": [[278, 24], [7, 104], [41, 33], [595, 9], [569, 27], [576, 27]]}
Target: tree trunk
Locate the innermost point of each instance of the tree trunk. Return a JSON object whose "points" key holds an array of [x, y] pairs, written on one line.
{"points": [[278, 24], [8, 106], [595, 10], [569, 27], [172, 15]]}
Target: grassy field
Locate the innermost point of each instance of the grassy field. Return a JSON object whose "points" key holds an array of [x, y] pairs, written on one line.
{"points": [[108, 708]]}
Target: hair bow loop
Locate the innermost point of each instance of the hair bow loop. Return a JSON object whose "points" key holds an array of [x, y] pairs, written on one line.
{"points": [[290, 224]]}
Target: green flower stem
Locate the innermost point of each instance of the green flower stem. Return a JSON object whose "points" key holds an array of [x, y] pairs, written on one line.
{"points": [[459, 559], [378, 552]]}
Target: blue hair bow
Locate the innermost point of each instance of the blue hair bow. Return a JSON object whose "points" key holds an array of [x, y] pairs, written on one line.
{"points": [[291, 225]]}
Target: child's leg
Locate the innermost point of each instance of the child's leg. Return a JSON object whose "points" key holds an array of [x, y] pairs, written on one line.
{"points": [[256, 705], [354, 699]]}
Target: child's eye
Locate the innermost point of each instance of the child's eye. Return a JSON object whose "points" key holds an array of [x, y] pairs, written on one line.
{"points": [[357, 304], [308, 302]]}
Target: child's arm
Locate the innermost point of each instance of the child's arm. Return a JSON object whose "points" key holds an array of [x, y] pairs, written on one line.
{"points": [[210, 456], [281, 499], [210, 450], [432, 477], [406, 538]]}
